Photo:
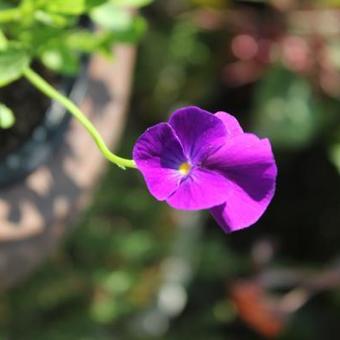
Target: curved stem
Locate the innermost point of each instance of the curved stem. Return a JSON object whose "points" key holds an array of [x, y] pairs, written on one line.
{"points": [[51, 92]]}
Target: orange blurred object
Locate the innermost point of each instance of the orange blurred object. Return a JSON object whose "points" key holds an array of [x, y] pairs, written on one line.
{"points": [[256, 309]]}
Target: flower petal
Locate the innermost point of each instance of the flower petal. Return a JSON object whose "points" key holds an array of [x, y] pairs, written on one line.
{"points": [[199, 131], [248, 164], [202, 189], [158, 155], [230, 122]]}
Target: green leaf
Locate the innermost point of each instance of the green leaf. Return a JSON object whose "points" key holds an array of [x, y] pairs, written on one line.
{"points": [[132, 3], [61, 59], [29, 6], [112, 17], [88, 42], [127, 26], [7, 118], [40, 37], [74, 7], [13, 61], [133, 32], [51, 19]]}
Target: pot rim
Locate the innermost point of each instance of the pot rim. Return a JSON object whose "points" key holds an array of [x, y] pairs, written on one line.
{"points": [[44, 139]]}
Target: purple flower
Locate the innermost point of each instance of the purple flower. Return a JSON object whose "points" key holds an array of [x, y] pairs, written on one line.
{"points": [[200, 160]]}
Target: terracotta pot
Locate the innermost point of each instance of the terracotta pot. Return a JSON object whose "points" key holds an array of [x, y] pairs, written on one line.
{"points": [[36, 212]]}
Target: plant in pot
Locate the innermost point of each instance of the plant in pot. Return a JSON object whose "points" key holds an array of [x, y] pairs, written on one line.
{"points": [[110, 286], [55, 50]]}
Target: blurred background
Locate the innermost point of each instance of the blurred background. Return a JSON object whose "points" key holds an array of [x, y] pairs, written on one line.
{"points": [[134, 269]]}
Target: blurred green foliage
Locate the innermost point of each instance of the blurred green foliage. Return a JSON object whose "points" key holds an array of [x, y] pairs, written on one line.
{"points": [[107, 270], [287, 111], [56, 33]]}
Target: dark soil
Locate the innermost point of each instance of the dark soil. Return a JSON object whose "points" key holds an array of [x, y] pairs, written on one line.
{"points": [[29, 107]]}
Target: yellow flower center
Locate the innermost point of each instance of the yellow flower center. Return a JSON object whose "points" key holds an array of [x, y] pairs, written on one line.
{"points": [[184, 168]]}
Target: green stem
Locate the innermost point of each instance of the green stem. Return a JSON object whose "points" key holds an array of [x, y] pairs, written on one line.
{"points": [[51, 92]]}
